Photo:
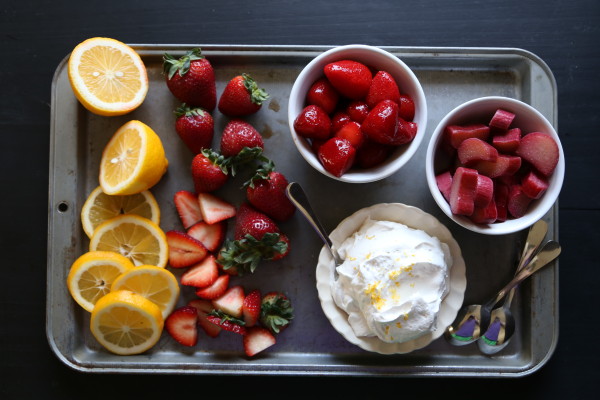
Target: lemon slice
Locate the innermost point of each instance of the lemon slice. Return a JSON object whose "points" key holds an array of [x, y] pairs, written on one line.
{"points": [[107, 76], [100, 207], [92, 275], [126, 323], [156, 284], [132, 161], [134, 237]]}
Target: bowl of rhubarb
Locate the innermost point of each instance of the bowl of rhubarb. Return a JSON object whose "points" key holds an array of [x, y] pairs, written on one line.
{"points": [[495, 165], [357, 113]]}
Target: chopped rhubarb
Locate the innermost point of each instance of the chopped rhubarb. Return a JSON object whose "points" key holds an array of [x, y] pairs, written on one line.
{"points": [[502, 119], [540, 150], [485, 214], [473, 150], [503, 166], [534, 185], [501, 200], [462, 192], [444, 183], [484, 192], [459, 133], [508, 142], [518, 202]]}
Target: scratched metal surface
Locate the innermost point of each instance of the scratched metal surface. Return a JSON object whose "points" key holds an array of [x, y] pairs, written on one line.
{"points": [[310, 346]]}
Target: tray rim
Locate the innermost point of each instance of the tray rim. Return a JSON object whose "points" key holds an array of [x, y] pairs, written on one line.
{"points": [[151, 49]]}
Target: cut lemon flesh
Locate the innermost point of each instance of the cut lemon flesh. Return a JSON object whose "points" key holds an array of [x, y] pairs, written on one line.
{"points": [[92, 275], [100, 207], [156, 284], [137, 238], [107, 76], [132, 161], [126, 323]]}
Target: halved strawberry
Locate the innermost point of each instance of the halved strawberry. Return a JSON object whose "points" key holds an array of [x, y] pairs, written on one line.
{"points": [[352, 133], [351, 78], [407, 107], [257, 339], [182, 325], [357, 110], [215, 290], [184, 250], [227, 322], [214, 209], [202, 274], [383, 87], [251, 308], [187, 207], [210, 235], [204, 307], [231, 301], [322, 94]]}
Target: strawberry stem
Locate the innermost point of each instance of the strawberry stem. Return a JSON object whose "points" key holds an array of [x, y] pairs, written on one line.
{"points": [[245, 254], [226, 317], [262, 172], [257, 95], [185, 110], [171, 65]]}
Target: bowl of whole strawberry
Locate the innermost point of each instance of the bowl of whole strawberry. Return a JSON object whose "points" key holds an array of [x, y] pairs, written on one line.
{"points": [[495, 165], [357, 113]]}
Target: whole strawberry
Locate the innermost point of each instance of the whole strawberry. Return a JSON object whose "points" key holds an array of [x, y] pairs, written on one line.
{"points": [[241, 97], [249, 221], [209, 171], [276, 311], [195, 127], [237, 135], [191, 79], [266, 192]]}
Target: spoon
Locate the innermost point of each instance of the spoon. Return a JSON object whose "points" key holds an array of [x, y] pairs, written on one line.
{"points": [[297, 196], [502, 325], [467, 326]]}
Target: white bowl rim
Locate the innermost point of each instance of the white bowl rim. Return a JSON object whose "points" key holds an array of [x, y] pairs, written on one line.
{"points": [[511, 225]]}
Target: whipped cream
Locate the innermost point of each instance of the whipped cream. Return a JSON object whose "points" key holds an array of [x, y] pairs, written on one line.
{"points": [[392, 281]]}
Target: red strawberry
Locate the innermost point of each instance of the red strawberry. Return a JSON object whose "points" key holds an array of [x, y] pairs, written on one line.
{"points": [[383, 87], [381, 125], [184, 250], [315, 144], [352, 133], [195, 127], [241, 97], [210, 235], [407, 107], [276, 311], [322, 94], [256, 340], [227, 322], [358, 111], [214, 209], [350, 78], [191, 79], [237, 135], [187, 207], [204, 307], [182, 325], [285, 250], [201, 275], [251, 222], [215, 290], [407, 130], [337, 156], [209, 171], [338, 120], [313, 122], [372, 154], [251, 308], [266, 192], [231, 301]]}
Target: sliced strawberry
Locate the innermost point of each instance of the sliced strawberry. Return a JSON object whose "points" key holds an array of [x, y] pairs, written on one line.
{"points": [[350, 78], [210, 235], [214, 209], [182, 325], [444, 183], [184, 250], [383, 87], [204, 307], [381, 125], [357, 111], [540, 150], [337, 156], [473, 150], [534, 184], [352, 133], [187, 207], [456, 134], [202, 274], [313, 122], [227, 322], [508, 142], [407, 107], [462, 192], [502, 119], [323, 94], [251, 308], [215, 290], [257, 339], [231, 301]]}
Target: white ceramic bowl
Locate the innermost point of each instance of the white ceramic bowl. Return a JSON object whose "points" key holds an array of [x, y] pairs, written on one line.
{"points": [[375, 58], [528, 119], [412, 217]]}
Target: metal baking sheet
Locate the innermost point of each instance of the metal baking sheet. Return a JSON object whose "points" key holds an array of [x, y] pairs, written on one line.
{"points": [[310, 346]]}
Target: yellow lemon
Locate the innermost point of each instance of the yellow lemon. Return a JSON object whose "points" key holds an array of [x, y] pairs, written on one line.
{"points": [[107, 76], [126, 323], [156, 284], [100, 207], [132, 236], [132, 161], [92, 275]]}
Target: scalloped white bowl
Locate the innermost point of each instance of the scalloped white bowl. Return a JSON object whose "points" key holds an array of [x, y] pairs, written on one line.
{"points": [[529, 120], [378, 59], [414, 218]]}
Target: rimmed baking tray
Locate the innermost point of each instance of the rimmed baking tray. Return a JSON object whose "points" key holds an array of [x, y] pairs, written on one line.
{"points": [[310, 346]]}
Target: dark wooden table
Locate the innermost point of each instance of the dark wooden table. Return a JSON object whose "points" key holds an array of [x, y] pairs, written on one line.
{"points": [[36, 35]]}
